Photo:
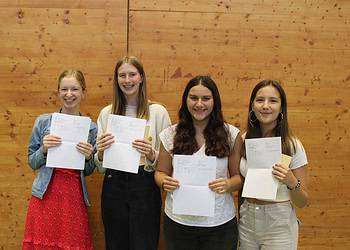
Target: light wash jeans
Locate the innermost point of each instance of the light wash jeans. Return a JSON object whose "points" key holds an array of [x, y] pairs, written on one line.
{"points": [[268, 227]]}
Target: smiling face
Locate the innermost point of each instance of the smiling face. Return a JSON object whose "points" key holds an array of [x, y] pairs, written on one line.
{"points": [[129, 79], [267, 106], [200, 103], [70, 93]]}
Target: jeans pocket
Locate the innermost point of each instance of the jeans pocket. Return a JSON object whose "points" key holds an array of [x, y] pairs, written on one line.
{"points": [[280, 215]]}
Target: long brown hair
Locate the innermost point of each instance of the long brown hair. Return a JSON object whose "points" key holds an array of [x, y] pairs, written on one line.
{"points": [[119, 100], [216, 134], [282, 129]]}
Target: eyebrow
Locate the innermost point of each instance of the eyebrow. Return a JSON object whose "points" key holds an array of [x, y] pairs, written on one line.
{"points": [[201, 95]]}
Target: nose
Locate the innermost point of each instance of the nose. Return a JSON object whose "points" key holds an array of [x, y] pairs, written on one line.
{"points": [[199, 102], [265, 104], [69, 92]]}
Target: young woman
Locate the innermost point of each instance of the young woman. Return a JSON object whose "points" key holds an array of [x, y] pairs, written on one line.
{"points": [[273, 224], [57, 215], [201, 131], [131, 202]]}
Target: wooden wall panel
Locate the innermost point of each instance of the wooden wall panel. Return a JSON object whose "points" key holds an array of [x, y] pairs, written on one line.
{"points": [[38, 40], [303, 44]]}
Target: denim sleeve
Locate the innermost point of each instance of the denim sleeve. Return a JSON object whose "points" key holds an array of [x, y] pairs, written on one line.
{"points": [[36, 157], [89, 165]]}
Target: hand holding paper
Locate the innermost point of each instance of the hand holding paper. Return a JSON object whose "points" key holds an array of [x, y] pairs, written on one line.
{"points": [[170, 184], [219, 186], [282, 172], [50, 141]]}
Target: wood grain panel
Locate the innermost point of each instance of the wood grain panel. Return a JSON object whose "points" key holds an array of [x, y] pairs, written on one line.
{"points": [[38, 40], [305, 45]]}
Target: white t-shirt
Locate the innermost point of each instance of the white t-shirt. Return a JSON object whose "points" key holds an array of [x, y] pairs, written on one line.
{"points": [[224, 205], [298, 160]]}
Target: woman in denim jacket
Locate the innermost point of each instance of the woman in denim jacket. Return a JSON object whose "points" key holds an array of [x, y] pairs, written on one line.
{"points": [[57, 212]]}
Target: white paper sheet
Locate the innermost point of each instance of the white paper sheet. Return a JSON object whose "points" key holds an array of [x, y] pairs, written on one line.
{"points": [[262, 154], [194, 200], [72, 129], [260, 184], [121, 155], [194, 170], [194, 196]]}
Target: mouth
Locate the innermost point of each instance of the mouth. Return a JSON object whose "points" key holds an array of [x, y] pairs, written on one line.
{"points": [[265, 113], [69, 100], [128, 86]]}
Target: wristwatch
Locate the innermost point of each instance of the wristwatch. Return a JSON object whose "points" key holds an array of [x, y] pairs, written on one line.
{"points": [[297, 186]]}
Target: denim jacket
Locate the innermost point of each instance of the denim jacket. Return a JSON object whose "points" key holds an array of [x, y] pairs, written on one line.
{"points": [[37, 159]]}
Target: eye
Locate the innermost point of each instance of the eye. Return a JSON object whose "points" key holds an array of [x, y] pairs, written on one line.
{"points": [[194, 98], [121, 75], [132, 74], [274, 100], [259, 99], [206, 98]]}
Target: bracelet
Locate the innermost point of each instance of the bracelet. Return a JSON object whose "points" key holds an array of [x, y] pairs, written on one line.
{"points": [[297, 186]]}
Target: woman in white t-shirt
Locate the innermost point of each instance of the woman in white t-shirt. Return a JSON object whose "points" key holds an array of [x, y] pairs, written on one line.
{"points": [[201, 131], [272, 224]]}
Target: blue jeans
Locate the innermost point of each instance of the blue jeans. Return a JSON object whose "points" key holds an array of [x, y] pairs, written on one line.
{"points": [[181, 237], [130, 205]]}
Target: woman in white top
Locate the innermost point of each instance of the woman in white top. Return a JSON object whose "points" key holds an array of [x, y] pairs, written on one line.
{"points": [[272, 224], [201, 131], [131, 203]]}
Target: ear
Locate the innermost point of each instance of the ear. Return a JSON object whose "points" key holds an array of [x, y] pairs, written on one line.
{"points": [[141, 77], [84, 94]]}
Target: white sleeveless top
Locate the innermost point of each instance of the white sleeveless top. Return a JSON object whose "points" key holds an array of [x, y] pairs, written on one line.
{"points": [[224, 205], [298, 160]]}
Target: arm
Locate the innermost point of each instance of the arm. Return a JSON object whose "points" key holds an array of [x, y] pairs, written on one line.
{"points": [[162, 123], [164, 171], [89, 157], [36, 156], [104, 140], [38, 145], [235, 181], [299, 196]]}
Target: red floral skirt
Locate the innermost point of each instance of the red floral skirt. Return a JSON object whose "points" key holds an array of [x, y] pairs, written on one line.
{"points": [[60, 219]]}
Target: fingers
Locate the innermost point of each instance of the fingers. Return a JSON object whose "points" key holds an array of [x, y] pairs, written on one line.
{"points": [[142, 146], [50, 141], [282, 173], [85, 148], [219, 185], [170, 184], [279, 171], [104, 142]]}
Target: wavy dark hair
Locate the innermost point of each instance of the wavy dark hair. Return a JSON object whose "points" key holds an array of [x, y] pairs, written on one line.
{"points": [[216, 134], [119, 100], [282, 129]]}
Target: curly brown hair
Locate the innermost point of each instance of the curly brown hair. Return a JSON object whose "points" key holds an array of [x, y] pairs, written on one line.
{"points": [[216, 134]]}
